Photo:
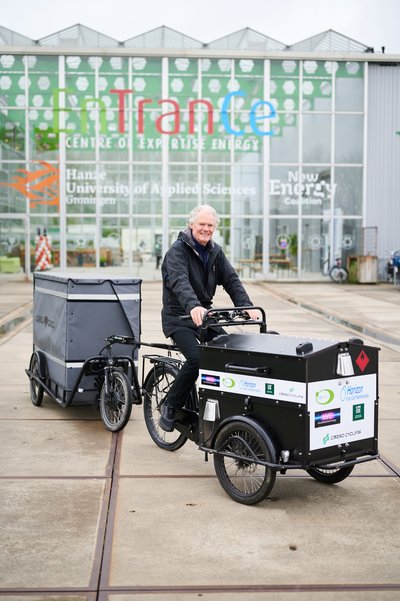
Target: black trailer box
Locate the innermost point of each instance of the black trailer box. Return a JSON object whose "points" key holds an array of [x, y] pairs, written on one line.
{"points": [[316, 398], [72, 316]]}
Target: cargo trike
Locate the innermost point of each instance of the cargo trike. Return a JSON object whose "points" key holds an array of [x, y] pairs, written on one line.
{"points": [[268, 403]]}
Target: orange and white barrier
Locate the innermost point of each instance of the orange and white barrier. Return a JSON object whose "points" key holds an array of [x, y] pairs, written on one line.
{"points": [[43, 252]]}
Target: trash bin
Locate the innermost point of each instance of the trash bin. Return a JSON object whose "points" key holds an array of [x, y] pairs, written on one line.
{"points": [[363, 269]]}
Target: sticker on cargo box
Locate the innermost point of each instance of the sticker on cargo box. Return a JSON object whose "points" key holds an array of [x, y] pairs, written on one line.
{"points": [[345, 407], [290, 392]]}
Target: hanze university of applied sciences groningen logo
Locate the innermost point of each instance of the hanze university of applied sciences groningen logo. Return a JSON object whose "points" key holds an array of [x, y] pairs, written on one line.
{"points": [[41, 186]]}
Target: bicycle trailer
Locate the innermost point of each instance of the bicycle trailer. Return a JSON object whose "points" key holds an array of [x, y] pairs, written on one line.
{"points": [[313, 401], [72, 317]]}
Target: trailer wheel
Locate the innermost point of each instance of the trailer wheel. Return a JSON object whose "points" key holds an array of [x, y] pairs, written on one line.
{"points": [[238, 444], [330, 475], [115, 408], [156, 386], [36, 367]]}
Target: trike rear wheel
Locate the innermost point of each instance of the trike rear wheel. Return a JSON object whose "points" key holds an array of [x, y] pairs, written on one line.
{"points": [[239, 447], [330, 475], [157, 384], [36, 368], [116, 407]]}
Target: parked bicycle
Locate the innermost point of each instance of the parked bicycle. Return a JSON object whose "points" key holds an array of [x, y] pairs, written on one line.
{"points": [[337, 272]]}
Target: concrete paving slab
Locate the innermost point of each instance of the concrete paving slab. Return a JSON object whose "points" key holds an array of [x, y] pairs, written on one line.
{"points": [[49, 532], [389, 401], [54, 448], [204, 538], [389, 431], [141, 456]]}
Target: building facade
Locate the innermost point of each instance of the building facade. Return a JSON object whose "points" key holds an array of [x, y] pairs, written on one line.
{"points": [[106, 147]]}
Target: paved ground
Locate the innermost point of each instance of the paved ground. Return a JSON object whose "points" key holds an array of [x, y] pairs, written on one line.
{"points": [[89, 515]]}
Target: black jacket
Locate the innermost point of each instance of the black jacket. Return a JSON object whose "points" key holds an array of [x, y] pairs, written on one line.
{"points": [[188, 284]]}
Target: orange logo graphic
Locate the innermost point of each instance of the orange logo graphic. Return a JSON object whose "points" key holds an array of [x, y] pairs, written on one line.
{"points": [[41, 186]]}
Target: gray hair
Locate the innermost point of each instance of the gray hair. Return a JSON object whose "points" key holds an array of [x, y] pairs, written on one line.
{"points": [[195, 212]]}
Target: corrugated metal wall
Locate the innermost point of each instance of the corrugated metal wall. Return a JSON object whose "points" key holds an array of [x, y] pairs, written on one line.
{"points": [[383, 156]]}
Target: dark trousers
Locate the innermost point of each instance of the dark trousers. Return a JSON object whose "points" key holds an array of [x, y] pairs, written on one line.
{"points": [[188, 344]]}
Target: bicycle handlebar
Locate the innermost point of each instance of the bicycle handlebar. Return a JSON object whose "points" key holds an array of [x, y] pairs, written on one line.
{"points": [[232, 317]]}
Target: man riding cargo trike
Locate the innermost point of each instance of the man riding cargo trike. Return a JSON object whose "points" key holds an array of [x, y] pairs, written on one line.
{"points": [[269, 403]]}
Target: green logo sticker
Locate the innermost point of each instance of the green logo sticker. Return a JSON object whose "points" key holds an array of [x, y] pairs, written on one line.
{"points": [[325, 396], [269, 388], [358, 412], [228, 382]]}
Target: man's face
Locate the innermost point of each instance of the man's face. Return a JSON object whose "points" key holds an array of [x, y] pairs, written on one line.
{"points": [[204, 227]]}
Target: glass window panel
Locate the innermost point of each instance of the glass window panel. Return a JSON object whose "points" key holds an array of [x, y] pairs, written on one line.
{"points": [[12, 63], [349, 138], [147, 189], [42, 88], [285, 68], [315, 246], [247, 254], [114, 65], [284, 143], [12, 243], [43, 64], [183, 66], [12, 134], [249, 68], [247, 192], [283, 190], [216, 187], [349, 190], [113, 189], [184, 189], [181, 88], [220, 67], [317, 94], [349, 94], [39, 183], [81, 188], [44, 139], [282, 247], [316, 138], [114, 248], [285, 93], [144, 238], [316, 190], [81, 236]]}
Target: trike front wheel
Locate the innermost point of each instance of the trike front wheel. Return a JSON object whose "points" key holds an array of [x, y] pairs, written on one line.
{"points": [[330, 475], [240, 448], [157, 384], [116, 407]]}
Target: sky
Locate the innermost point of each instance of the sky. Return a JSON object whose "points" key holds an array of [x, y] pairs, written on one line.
{"points": [[371, 22]]}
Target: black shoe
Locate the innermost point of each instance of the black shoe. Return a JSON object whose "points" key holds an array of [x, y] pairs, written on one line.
{"points": [[167, 419]]}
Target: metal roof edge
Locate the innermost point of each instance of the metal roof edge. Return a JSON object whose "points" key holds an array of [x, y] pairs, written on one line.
{"points": [[200, 53]]}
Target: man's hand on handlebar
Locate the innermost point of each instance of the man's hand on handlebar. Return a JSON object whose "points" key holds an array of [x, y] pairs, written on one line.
{"points": [[197, 314], [253, 314]]}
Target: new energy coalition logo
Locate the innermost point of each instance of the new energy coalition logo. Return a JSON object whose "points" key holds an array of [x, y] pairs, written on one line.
{"points": [[41, 186]]}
